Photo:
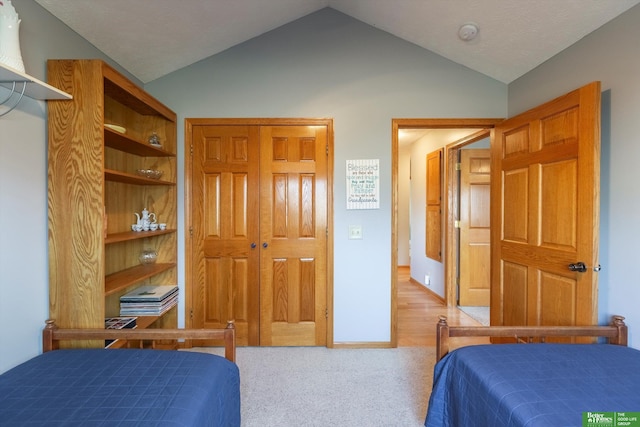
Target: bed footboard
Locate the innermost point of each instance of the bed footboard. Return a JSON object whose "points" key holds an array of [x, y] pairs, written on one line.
{"points": [[52, 335], [616, 333]]}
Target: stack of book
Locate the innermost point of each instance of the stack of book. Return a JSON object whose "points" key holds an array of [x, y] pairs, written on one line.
{"points": [[118, 323], [149, 301]]}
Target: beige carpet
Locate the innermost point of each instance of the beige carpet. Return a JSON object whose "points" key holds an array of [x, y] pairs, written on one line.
{"points": [[479, 314], [316, 386]]}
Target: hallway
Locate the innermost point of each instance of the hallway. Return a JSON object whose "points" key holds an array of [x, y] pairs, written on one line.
{"points": [[418, 311]]}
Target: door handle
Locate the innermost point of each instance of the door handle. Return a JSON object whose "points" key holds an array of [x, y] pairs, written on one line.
{"points": [[253, 245], [265, 244], [580, 267]]}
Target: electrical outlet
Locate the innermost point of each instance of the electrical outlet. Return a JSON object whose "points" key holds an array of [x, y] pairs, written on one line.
{"points": [[427, 280]]}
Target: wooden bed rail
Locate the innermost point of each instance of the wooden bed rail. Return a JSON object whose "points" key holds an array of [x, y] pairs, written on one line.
{"points": [[52, 335], [616, 333]]}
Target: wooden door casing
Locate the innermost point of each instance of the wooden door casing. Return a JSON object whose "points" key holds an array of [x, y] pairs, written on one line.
{"points": [[545, 181], [475, 228]]}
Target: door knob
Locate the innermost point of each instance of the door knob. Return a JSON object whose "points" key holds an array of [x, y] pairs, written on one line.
{"points": [[265, 244], [580, 267], [253, 245]]}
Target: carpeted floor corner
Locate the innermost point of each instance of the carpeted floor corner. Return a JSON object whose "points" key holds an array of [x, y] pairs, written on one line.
{"points": [[317, 386]]}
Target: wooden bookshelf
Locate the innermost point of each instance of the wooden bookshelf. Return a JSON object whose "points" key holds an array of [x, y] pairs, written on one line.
{"points": [[94, 191]]}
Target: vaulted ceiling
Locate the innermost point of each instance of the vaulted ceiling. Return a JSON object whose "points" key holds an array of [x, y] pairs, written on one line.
{"points": [[152, 38]]}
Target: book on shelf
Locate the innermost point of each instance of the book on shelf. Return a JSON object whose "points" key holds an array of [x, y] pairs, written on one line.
{"points": [[118, 323], [149, 301], [147, 309], [151, 293]]}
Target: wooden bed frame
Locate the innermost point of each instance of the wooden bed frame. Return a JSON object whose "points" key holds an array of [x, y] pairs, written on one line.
{"points": [[616, 333], [52, 335]]}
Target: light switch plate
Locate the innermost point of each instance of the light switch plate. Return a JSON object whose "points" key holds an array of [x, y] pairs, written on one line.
{"points": [[355, 232]]}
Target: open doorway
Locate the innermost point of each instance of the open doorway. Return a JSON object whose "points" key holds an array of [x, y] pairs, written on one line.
{"points": [[468, 190], [442, 275]]}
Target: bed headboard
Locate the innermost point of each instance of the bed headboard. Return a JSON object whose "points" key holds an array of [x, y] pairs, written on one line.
{"points": [[52, 335], [616, 333]]}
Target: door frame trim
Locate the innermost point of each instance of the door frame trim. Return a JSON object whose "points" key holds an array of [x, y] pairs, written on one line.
{"points": [[396, 125], [188, 170]]}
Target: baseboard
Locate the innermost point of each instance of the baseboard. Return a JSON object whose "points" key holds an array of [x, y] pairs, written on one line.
{"points": [[429, 291]]}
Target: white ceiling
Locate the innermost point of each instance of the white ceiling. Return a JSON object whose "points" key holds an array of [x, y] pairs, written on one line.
{"points": [[151, 38]]}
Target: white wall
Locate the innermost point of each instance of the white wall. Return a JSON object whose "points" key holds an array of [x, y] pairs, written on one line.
{"points": [[330, 65], [610, 55], [24, 280]]}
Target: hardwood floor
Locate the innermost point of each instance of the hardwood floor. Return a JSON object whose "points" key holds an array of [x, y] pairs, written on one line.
{"points": [[418, 314]]}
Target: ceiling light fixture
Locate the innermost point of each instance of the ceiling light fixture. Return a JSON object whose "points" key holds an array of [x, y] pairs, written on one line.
{"points": [[468, 32]]}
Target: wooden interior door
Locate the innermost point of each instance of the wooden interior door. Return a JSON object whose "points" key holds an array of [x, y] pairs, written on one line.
{"points": [[545, 196], [475, 229], [258, 231], [224, 229], [293, 235]]}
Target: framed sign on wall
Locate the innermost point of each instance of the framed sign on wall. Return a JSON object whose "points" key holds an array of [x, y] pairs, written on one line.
{"points": [[363, 184]]}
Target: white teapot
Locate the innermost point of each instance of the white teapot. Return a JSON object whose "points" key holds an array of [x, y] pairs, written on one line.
{"points": [[146, 219]]}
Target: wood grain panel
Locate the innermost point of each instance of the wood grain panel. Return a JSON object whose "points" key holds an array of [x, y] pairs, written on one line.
{"points": [[515, 142], [514, 290], [240, 209], [216, 290], [560, 128], [280, 149], [228, 290], [308, 149], [434, 231], [558, 299], [241, 290], [434, 177], [433, 226], [559, 205], [212, 190], [213, 149], [279, 205], [480, 199], [306, 206], [240, 150], [280, 284], [76, 206], [515, 222], [307, 289], [480, 165], [479, 270]]}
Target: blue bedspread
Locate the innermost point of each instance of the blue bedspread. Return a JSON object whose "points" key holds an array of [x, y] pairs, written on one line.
{"points": [[127, 387], [533, 384]]}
